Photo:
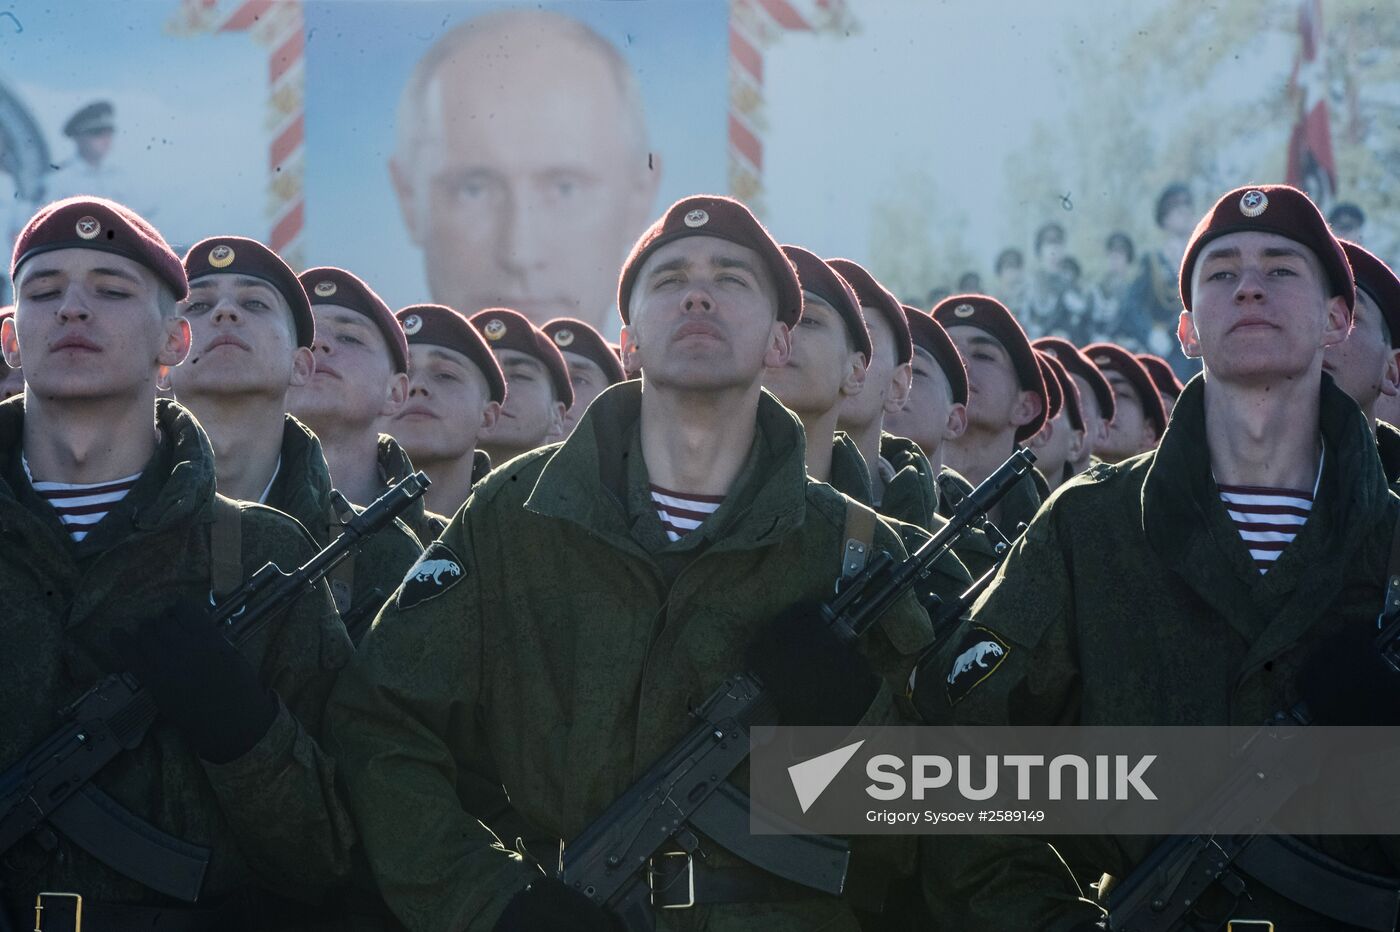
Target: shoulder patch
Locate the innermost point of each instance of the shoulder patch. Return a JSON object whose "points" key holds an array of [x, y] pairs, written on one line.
{"points": [[436, 571], [979, 654]]}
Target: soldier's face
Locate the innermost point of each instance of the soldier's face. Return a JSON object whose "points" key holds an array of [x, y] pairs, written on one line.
{"points": [[243, 341], [1261, 311], [820, 364], [89, 324], [993, 388], [528, 184], [1130, 433], [1052, 446], [704, 317], [531, 417], [1363, 364], [588, 380], [354, 382], [887, 381], [929, 417], [448, 405], [1095, 427]]}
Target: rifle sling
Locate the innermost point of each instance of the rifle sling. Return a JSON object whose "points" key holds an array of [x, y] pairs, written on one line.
{"points": [[1303, 874], [859, 536], [130, 845]]}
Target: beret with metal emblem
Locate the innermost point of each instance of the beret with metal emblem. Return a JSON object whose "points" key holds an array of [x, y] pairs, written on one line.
{"points": [[723, 218], [872, 294], [106, 226], [438, 325], [929, 335], [992, 317], [512, 330], [1110, 357], [1378, 281], [329, 285], [1278, 209], [1076, 363], [820, 279], [238, 255], [575, 336]]}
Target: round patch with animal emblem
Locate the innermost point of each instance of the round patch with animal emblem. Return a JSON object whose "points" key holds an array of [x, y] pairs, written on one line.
{"points": [[412, 324], [964, 310], [1254, 203], [324, 289], [221, 256], [495, 328], [88, 227], [697, 218], [563, 337], [436, 571], [979, 654]]}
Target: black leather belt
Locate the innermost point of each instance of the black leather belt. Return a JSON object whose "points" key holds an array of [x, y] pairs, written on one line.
{"points": [[69, 912], [678, 881]]}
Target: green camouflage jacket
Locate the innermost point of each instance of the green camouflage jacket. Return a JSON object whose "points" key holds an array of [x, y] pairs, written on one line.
{"points": [[553, 640], [272, 816], [1133, 600]]}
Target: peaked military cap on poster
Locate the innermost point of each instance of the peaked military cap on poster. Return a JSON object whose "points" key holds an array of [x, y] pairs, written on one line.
{"points": [[238, 255], [1278, 209], [1379, 282], [1162, 375], [929, 335], [723, 218], [97, 117], [1076, 363], [512, 330], [1110, 357], [991, 316], [575, 336], [872, 294], [106, 226], [820, 279], [438, 325], [329, 285]]}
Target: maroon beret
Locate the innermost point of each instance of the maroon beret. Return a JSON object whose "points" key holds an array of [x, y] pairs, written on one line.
{"points": [[1054, 394], [437, 325], [96, 223], [575, 336], [1376, 279], [1110, 357], [238, 255], [990, 315], [1076, 363], [1271, 208], [871, 293], [507, 329], [723, 218], [929, 335], [1162, 375], [820, 279], [329, 285], [1069, 392]]}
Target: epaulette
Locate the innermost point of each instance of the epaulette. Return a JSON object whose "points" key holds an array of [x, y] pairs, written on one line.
{"points": [[1100, 471]]}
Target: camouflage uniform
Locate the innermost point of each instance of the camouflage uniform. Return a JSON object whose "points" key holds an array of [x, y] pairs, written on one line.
{"points": [[554, 641], [271, 817], [1221, 643]]}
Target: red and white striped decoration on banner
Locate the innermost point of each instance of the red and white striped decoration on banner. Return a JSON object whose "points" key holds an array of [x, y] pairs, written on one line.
{"points": [[278, 26], [754, 25]]}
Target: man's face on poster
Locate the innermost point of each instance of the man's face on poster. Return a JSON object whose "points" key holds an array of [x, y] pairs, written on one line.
{"points": [[529, 177]]}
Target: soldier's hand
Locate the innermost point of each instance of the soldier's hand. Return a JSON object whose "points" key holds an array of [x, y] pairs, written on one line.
{"points": [[813, 676], [200, 682], [546, 905]]}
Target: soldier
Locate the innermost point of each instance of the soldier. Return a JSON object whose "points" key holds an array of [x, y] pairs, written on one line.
{"points": [[1167, 384], [1096, 400], [539, 392], [110, 513], [11, 380], [1143, 595], [455, 390], [252, 330], [1151, 307], [593, 364], [470, 670], [936, 412], [1138, 416], [1061, 442], [1006, 404], [1366, 365]]}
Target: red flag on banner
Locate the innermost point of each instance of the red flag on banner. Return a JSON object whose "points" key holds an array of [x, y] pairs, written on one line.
{"points": [[1311, 165]]}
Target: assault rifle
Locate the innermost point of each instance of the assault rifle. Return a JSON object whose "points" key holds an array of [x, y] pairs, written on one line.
{"points": [[620, 860], [53, 782]]}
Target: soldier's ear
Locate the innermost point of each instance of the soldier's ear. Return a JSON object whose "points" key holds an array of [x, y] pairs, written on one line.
{"points": [[303, 366], [1390, 379], [489, 415], [779, 346], [628, 341], [1077, 441], [177, 342], [1339, 321], [1186, 335], [957, 422], [900, 385], [396, 396], [556, 420], [853, 383], [1027, 408], [9, 342]]}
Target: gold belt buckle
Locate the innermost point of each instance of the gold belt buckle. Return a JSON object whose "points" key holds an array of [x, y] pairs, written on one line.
{"points": [[40, 905], [690, 878], [1244, 925]]}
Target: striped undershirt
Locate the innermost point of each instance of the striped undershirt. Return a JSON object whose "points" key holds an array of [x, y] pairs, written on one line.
{"points": [[681, 513], [1267, 518], [81, 506]]}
